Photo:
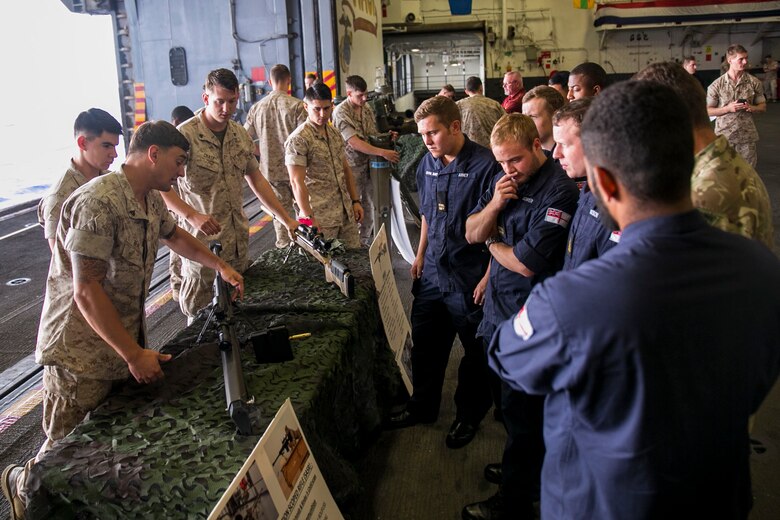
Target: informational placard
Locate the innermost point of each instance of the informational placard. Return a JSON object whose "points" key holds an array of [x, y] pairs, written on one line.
{"points": [[280, 480], [397, 328]]}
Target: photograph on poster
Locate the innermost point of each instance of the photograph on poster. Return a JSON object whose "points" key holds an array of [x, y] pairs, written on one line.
{"points": [[288, 454], [250, 499]]}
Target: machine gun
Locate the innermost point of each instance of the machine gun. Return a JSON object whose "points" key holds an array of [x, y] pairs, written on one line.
{"points": [[238, 406], [311, 241]]}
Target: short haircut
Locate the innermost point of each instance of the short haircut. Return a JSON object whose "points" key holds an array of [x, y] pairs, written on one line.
{"points": [[356, 83], [181, 113], [93, 122], [552, 97], [594, 74], [160, 133], [687, 87], [514, 127], [444, 108], [280, 73], [448, 88], [221, 78], [319, 91], [654, 166], [688, 59], [514, 73], [473, 83], [559, 78], [574, 111], [735, 49], [311, 75]]}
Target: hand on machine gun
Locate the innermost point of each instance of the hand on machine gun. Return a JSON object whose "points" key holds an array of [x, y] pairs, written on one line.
{"points": [[311, 241]]}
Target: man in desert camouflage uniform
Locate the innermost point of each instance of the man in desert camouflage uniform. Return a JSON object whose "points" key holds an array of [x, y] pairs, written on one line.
{"points": [[269, 122], [733, 98], [321, 178], [724, 187], [97, 136], [211, 192], [92, 332], [356, 121], [478, 113]]}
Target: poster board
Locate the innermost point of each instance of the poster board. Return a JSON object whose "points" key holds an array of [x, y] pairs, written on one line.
{"points": [[280, 480], [397, 328]]}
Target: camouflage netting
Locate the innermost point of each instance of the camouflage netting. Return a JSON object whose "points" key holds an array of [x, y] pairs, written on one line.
{"points": [[170, 450]]}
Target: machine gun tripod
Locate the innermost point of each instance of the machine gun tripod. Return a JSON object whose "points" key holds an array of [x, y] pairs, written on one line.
{"points": [[239, 407]]}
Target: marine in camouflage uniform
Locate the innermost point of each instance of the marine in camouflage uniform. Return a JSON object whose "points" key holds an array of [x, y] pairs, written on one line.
{"points": [[479, 114], [321, 178], [213, 184], [97, 136], [356, 121], [735, 120], [210, 200], [92, 331], [730, 194], [269, 122], [102, 220], [329, 196]]}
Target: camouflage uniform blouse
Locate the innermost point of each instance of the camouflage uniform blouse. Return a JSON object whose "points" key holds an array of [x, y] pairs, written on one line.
{"points": [[737, 127], [213, 184], [350, 124], [478, 115], [51, 204], [269, 122], [102, 220], [730, 194], [323, 158]]}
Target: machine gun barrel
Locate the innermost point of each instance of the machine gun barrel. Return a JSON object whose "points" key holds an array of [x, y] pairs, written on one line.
{"points": [[229, 348], [335, 272]]}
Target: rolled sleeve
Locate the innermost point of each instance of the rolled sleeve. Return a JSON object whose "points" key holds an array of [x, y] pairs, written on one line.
{"points": [[295, 151], [167, 225], [91, 231]]}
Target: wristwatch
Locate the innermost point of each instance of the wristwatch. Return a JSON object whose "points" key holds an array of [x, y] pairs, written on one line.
{"points": [[495, 239], [356, 201]]}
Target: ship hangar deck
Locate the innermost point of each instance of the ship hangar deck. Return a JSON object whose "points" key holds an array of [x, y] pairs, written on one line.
{"points": [[412, 460]]}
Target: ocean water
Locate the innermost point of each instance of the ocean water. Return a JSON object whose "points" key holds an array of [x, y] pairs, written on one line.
{"points": [[67, 64]]}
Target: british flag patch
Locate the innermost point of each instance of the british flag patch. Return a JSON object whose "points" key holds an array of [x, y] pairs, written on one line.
{"points": [[557, 216]]}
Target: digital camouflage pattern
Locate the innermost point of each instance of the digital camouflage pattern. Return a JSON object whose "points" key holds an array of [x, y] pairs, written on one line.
{"points": [[347, 120], [50, 205], [213, 184], [737, 127], [269, 123], [101, 220], [478, 115], [323, 158], [730, 194], [170, 450], [411, 149]]}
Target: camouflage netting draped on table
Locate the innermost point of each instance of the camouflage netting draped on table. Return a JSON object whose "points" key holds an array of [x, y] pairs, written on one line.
{"points": [[170, 450]]}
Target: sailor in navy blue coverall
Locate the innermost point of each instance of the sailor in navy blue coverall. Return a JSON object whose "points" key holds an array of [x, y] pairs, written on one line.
{"points": [[588, 236], [450, 180], [524, 219], [650, 390]]}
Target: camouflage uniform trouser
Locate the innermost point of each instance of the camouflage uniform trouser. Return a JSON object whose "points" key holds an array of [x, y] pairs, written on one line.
{"points": [[174, 268], [748, 152], [67, 399], [347, 232], [283, 192], [365, 188]]}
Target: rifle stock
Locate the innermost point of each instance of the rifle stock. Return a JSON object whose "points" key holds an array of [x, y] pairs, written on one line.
{"points": [[335, 271]]}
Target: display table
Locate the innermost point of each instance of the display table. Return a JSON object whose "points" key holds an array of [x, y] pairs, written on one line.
{"points": [[170, 450]]}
